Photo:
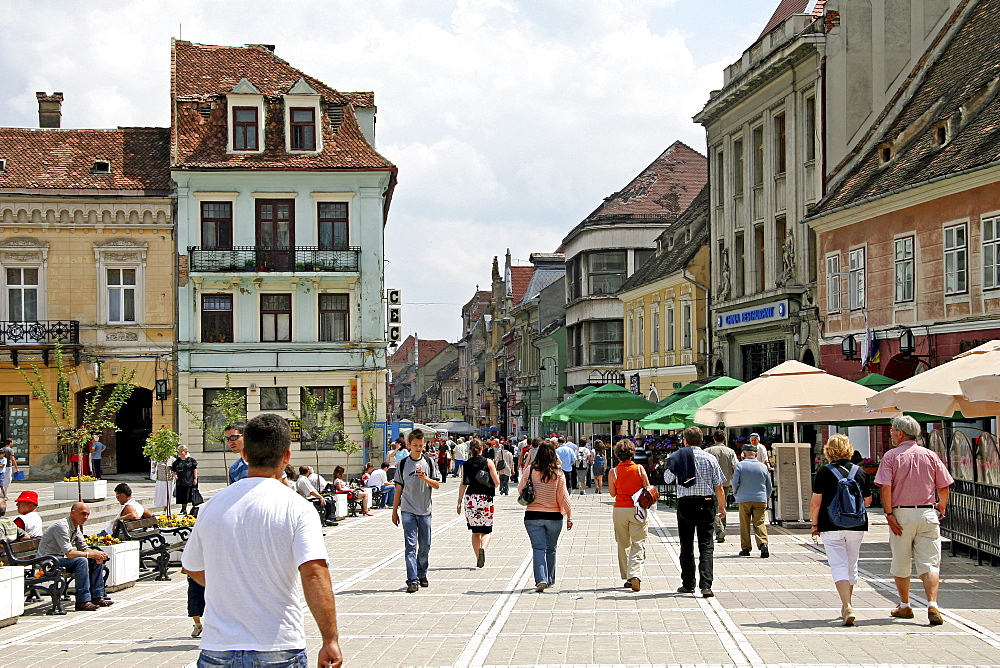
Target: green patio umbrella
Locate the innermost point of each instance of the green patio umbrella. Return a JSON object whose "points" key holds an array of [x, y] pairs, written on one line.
{"points": [[678, 394], [549, 415], [877, 381], [608, 403], [680, 414]]}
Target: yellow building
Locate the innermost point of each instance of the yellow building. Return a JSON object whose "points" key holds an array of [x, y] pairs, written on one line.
{"points": [[666, 308], [86, 262]]}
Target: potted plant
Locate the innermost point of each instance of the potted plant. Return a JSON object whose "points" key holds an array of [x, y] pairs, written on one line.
{"points": [[80, 488], [122, 563], [869, 466]]}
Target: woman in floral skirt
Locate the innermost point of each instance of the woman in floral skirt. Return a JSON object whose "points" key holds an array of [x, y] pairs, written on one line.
{"points": [[475, 499]]}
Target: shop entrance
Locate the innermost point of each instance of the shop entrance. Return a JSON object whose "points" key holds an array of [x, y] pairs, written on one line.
{"points": [[135, 422]]}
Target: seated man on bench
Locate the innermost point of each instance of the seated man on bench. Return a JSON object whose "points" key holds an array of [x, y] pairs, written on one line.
{"points": [[64, 540], [379, 480], [130, 510], [327, 509]]}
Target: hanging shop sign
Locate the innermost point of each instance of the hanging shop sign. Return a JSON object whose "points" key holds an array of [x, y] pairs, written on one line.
{"points": [[755, 315]]}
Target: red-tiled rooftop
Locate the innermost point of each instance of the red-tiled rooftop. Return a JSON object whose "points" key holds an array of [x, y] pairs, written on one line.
{"points": [[519, 279], [64, 159], [201, 76]]}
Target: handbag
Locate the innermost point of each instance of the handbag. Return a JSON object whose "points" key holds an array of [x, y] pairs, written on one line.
{"points": [[483, 476], [196, 498], [18, 475], [648, 497], [527, 495]]}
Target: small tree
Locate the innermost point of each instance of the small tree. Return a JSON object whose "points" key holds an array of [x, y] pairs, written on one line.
{"points": [[98, 410], [369, 416], [320, 423], [230, 406], [160, 447]]}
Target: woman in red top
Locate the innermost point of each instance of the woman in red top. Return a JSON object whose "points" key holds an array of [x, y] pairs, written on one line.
{"points": [[625, 480]]}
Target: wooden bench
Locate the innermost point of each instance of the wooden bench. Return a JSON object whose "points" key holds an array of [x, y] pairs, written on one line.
{"points": [[40, 573], [153, 546]]}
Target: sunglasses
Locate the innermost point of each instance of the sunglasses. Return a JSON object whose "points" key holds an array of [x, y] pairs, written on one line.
{"points": [[234, 437]]}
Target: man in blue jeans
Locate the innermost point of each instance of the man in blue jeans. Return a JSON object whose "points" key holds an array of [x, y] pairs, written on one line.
{"points": [[416, 476], [64, 540]]}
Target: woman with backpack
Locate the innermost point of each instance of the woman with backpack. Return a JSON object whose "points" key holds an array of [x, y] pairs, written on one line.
{"points": [[475, 498], [600, 464], [840, 494]]}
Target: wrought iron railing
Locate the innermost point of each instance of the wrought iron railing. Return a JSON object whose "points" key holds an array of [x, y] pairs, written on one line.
{"points": [[39, 332], [973, 514], [252, 259]]}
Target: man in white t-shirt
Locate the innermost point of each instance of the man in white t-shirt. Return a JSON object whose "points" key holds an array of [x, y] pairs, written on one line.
{"points": [[255, 541], [379, 479], [460, 454]]}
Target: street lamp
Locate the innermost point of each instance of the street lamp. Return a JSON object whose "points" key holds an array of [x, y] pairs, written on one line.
{"points": [[908, 345], [849, 347]]}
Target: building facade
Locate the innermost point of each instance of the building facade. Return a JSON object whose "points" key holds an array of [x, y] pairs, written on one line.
{"points": [[281, 204], [86, 263], [609, 245], [666, 308]]}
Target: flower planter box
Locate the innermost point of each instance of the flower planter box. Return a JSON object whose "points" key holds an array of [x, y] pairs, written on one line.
{"points": [[122, 565], [11, 594], [96, 490]]}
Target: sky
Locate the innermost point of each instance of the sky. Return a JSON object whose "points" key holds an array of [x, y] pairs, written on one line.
{"points": [[509, 120]]}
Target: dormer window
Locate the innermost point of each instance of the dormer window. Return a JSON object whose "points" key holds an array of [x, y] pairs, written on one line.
{"points": [[303, 128], [101, 167], [245, 127], [3, 165], [941, 134]]}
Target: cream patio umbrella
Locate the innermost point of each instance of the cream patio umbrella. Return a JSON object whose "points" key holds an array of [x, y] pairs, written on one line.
{"points": [[943, 389], [791, 392]]}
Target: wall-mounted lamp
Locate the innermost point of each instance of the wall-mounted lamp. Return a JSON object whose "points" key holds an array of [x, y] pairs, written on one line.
{"points": [[162, 389], [908, 345], [849, 347]]}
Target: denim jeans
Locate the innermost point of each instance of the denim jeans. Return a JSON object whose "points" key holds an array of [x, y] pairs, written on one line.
{"points": [[417, 541], [696, 514], [544, 534], [388, 494], [88, 576], [245, 658]]}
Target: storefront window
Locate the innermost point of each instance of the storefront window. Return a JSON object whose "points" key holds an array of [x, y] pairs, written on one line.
{"points": [[14, 410]]}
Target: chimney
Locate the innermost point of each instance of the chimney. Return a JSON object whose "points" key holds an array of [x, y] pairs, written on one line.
{"points": [[49, 110]]}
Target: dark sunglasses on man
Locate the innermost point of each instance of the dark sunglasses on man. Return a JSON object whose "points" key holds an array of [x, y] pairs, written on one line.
{"points": [[234, 437]]}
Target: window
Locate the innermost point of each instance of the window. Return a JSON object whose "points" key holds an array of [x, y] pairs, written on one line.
{"points": [[121, 295], [686, 326], [606, 339], [758, 156], [903, 257], [217, 318], [739, 265], [217, 225], [101, 167], [576, 345], [631, 337], [303, 129], [780, 155], [214, 419], [954, 260], [738, 167], [856, 278], [245, 128], [833, 284], [640, 335], [780, 237], [274, 398], [574, 278], [655, 345], [332, 217], [607, 272], [758, 238], [22, 294], [670, 328], [991, 253], [313, 422], [276, 317], [333, 318], [719, 178], [641, 256], [809, 131]]}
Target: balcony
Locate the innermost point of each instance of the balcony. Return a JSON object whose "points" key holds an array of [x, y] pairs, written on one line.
{"points": [[252, 259], [40, 333]]}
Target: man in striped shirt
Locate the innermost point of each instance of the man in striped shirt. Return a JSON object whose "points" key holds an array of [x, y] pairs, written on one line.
{"points": [[697, 508]]}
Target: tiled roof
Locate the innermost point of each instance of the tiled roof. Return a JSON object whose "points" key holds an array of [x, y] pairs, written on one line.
{"points": [[476, 306], [64, 159], [670, 260], [659, 194], [541, 278], [429, 348], [784, 10], [201, 75], [961, 89], [519, 278]]}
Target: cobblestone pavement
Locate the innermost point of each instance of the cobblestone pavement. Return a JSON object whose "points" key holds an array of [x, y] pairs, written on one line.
{"points": [[781, 611]]}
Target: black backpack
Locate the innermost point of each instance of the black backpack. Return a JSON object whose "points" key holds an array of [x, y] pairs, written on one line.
{"points": [[847, 509]]}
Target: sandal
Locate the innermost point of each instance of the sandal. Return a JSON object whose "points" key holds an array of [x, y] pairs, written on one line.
{"points": [[196, 632]]}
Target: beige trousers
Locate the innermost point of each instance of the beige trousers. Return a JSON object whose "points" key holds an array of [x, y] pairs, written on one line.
{"points": [[630, 534], [753, 512]]}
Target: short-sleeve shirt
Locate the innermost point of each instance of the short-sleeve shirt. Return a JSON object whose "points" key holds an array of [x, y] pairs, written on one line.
{"points": [[97, 450], [238, 470], [250, 540], [825, 483], [914, 474], [726, 458], [707, 473], [416, 496], [567, 455]]}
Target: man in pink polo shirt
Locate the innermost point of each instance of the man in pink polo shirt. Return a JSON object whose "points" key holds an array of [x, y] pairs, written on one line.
{"points": [[909, 475]]}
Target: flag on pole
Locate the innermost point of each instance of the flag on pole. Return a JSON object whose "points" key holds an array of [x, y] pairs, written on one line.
{"points": [[869, 349]]}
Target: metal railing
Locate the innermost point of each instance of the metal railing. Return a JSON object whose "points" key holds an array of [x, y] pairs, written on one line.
{"points": [[253, 259], [39, 332]]}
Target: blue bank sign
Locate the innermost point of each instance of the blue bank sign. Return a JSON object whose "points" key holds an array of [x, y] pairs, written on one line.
{"points": [[753, 316]]}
